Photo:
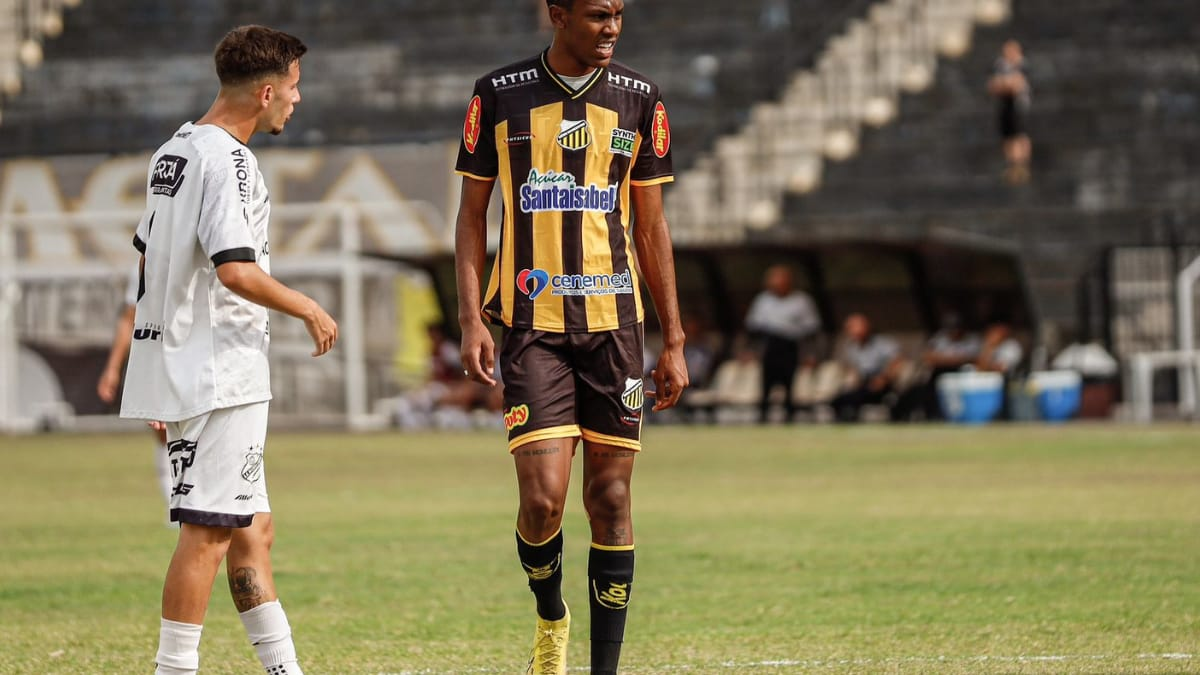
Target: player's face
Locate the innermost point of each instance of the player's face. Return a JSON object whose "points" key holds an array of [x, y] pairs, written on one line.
{"points": [[589, 31], [285, 94]]}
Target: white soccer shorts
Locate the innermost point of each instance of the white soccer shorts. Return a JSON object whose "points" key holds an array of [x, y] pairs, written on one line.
{"points": [[217, 466]]}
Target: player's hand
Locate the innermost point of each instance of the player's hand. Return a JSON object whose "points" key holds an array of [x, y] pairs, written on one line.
{"points": [[322, 329], [157, 426], [106, 388], [670, 379], [478, 352]]}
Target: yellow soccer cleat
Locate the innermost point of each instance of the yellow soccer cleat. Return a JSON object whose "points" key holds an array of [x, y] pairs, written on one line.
{"points": [[549, 653]]}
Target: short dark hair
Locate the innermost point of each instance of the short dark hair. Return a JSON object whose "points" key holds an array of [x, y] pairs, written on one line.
{"points": [[565, 4], [248, 53]]}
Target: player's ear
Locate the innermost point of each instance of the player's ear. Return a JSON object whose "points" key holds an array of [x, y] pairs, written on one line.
{"points": [[558, 16], [266, 93]]}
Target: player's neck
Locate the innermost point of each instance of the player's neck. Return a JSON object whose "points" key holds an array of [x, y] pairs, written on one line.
{"points": [[565, 65], [230, 117]]}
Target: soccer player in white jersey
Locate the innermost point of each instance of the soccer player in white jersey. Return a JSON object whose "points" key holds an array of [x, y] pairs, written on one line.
{"points": [[198, 361]]}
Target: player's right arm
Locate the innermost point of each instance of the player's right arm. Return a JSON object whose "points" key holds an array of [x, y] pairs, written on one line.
{"points": [[249, 280], [470, 255], [478, 163]]}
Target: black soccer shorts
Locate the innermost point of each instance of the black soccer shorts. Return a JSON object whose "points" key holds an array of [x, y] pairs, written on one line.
{"points": [[570, 385]]}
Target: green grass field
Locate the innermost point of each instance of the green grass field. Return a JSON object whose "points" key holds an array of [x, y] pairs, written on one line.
{"points": [[805, 549]]}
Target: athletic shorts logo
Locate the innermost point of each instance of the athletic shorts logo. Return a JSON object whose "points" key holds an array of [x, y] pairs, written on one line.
{"points": [[181, 454], [472, 125], [252, 469], [575, 135], [533, 282], [167, 175], [622, 142], [545, 571], [660, 131], [634, 395], [616, 596], [516, 416]]}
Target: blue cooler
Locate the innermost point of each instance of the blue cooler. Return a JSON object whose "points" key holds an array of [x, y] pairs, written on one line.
{"points": [[970, 397], [1057, 393]]}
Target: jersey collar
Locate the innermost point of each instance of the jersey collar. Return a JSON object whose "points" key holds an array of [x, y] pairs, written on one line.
{"points": [[571, 92]]}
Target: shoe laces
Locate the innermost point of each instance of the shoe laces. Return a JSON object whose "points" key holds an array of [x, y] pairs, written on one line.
{"points": [[549, 647]]}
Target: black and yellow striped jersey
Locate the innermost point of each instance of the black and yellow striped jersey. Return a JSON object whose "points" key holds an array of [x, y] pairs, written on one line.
{"points": [[566, 159]]}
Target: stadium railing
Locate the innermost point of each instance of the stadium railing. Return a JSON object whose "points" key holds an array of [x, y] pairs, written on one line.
{"points": [[340, 276]]}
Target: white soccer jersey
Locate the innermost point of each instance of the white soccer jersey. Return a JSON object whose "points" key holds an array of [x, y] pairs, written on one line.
{"points": [[197, 346]]}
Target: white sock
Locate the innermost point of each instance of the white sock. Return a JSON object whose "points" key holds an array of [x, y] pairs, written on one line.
{"points": [[269, 632], [178, 648]]}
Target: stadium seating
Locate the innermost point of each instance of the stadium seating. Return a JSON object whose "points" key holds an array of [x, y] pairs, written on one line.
{"points": [[126, 72], [1115, 125]]}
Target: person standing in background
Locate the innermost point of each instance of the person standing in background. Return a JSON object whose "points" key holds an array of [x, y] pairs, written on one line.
{"points": [[110, 380], [784, 318], [1010, 87]]}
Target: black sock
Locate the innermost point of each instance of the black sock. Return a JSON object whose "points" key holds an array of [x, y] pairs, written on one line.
{"points": [[610, 575], [543, 566]]}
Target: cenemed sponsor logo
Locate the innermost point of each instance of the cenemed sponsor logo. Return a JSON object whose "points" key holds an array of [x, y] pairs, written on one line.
{"points": [[533, 282], [557, 191]]}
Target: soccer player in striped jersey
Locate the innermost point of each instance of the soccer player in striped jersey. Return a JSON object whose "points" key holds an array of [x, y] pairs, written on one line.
{"points": [[579, 148]]}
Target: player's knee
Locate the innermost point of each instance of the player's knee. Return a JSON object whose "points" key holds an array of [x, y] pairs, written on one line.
{"points": [[607, 500], [541, 511], [266, 530]]}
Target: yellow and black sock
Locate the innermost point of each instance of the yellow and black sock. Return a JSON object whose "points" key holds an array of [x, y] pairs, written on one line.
{"points": [[543, 566], [610, 575]]}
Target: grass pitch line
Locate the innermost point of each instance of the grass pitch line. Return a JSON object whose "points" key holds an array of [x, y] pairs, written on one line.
{"points": [[808, 664]]}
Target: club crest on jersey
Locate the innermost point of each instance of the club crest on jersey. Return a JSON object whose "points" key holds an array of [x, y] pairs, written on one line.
{"points": [[633, 396], [660, 131], [622, 142], [167, 175], [473, 124], [533, 282], [574, 135]]}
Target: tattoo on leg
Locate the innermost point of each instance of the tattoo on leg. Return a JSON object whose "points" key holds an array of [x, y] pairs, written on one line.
{"points": [[616, 536], [614, 454], [247, 594], [535, 452]]}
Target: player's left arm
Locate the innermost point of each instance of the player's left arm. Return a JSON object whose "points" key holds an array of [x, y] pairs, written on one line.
{"points": [[656, 259]]}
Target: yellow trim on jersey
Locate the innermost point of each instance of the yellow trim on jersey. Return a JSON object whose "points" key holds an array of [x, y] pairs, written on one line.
{"points": [[549, 433], [652, 181], [546, 235], [503, 276], [602, 547], [548, 540], [468, 174], [601, 312], [573, 93], [597, 437]]}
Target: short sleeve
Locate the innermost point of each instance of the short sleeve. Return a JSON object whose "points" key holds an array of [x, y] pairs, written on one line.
{"points": [[477, 157], [653, 162], [223, 229]]}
